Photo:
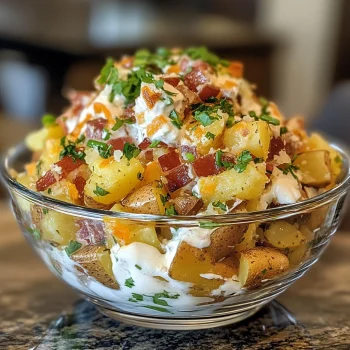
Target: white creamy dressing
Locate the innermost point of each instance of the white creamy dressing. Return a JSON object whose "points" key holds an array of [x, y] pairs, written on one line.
{"points": [[168, 132], [194, 236], [283, 189]]}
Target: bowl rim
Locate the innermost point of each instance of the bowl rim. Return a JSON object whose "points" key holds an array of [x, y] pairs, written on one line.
{"points": [[204, 221]]}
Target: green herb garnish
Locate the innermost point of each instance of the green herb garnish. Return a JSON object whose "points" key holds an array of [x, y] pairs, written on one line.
{"points": [[208, 224], [170, 210], [220, 162], [100, 192], [175, 119], [105, 71], [258, 160], [38, 167], [45, 211], [283, 130], [154, 144], [291, 168], [106, 135], [35, 233], [189, 157], [242, 161], [220, 205], [136, 297], [210, 136], [129, 283], [70, 149], [202, 53], [72, 247], [130, 150], [105, 150], [138, 267], [164, 199], [48, 120], [270, 119], [157, 308]]}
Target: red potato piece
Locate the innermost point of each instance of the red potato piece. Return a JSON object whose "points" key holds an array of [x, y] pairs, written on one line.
{"points": [[276, 145], [169, 161], [118, 144], [208, 91], [206, 166], [67, 164], [94, 128], [178, 177], [173, 81], [90, 232], [195, 78]]}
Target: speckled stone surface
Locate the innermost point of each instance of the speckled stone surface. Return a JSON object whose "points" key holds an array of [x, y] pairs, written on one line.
{"points": [[39, 312]]}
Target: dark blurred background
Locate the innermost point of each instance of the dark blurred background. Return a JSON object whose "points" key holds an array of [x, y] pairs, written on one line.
{"points": [[295, 50]]}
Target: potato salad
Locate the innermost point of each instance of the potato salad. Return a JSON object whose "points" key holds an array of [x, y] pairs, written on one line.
{"points": [[175, 132]]}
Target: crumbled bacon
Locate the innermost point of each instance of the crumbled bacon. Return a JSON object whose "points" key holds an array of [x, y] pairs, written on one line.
{"points": [[276, 145], [173, 81], [67, 164], [206, 166], [90, 232], [118, 144], [195, 78], [94, 128], [129, 113], [80, 183], [178, 177], [169, 161], [208, 91]]}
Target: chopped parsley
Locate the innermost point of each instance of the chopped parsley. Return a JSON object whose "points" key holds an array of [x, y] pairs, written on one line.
{"points": [[154, 144], [70, 149], [138, 267], [190, 157], [164, 199], [38, 167], [106, 135], [72, 247], [270, 119], [220, 205], [129, 283], [48, 120], [202, 53], [283, 130], [136, 297], [208, 224], [157, 308], [170, 210], [100, 192], [49, 191], [158, 298], [291, 168], [160, 59], [45, 211], [242, 161], [258, 160], [220, 162], [105, 150], [105, 71], [265, 114], [130, 150], [264, 271], [175, 119], [210, 136]]}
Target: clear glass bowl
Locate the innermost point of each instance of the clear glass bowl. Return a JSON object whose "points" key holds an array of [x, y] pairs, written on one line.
{"points": [[124, 290]]}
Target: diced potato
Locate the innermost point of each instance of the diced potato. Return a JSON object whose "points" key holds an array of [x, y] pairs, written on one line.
{"points": [[297, 255], [317, 142], [252, 136], [260, 263], [248, 239], [196, 133], [90, 203], [224, 239], [35, 140], [116, 178], [282, 234], [125, 232], [152, 173], [230, 184], [146, 199], [190, 262], [314, 168], [58, 228], [97, 262], [187, 205], [64, 191]]}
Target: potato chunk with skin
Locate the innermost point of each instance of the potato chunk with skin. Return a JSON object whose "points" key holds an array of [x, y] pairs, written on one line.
{"points": [[224, 239], [118, 178], [146, 199], [252, 136], [260, 263], [187, 205], [190, 262], [282, 234], [314, 168], [97, 262], [57, 228], [230, 184]]}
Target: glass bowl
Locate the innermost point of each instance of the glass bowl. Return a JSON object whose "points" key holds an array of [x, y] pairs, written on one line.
{"points": [[139, 284]]}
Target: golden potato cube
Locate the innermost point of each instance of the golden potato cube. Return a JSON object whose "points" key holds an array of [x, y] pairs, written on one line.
{"points": [[231, 184], [252, 136], [97, 262], [260, 263], [248, 240], [314, 168], [118, 178], [282, 234]]}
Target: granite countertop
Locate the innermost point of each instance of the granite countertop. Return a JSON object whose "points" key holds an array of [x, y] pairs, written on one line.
{"points": [[37, 311]]}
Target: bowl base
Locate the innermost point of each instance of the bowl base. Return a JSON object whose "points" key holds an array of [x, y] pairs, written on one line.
{"points": [[178, 323]]}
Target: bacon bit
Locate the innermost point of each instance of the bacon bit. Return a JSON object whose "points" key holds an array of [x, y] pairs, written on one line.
{"points": [[178, 177], [269, 168], [80, 183], [190, 96], [208, 91], [195, 78], [106, 162], [173, 81], [169, 161], [146, 143], [101, 108], [150, 97], [129, 113], [276, 145], [118, 144], [188, 149], [184, 63], [67, 164], [76, 132], [30, 168], [156, 124], [175, 68], [94, 128], [127, 61], [206, 166], [236, 69], [90, 232]]}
